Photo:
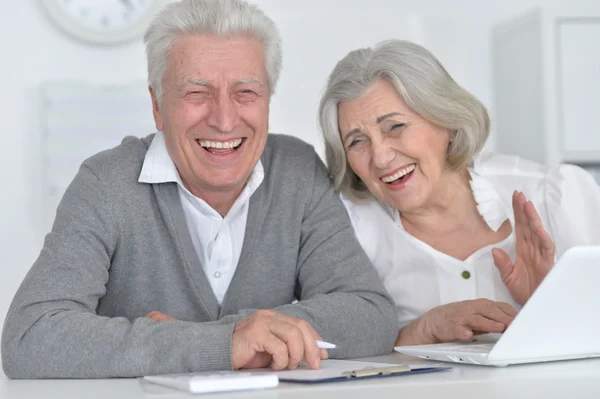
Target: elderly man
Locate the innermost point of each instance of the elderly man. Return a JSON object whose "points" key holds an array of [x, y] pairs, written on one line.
{"points": [[183, 251]]}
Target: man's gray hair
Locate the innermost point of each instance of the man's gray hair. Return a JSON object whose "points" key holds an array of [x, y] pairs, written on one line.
{"points": [[209, 17], [425, 87]]}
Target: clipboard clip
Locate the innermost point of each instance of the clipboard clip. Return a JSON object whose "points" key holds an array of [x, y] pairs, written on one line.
{"points": [[373, 371]]}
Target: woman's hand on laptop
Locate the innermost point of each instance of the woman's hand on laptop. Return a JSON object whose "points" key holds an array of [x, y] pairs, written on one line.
{"points": [[534, 255], [457, 321]]}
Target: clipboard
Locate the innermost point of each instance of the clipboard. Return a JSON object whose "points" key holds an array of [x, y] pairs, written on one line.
{"points": [[332, 375]]}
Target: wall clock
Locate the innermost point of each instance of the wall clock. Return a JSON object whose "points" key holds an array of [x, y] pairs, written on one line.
{"points": [[103, 21]]}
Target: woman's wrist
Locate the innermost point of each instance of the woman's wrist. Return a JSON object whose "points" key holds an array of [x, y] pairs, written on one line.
{"points": [[415, 333]]}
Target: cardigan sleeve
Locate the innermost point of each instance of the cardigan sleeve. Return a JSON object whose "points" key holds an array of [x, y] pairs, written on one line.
{"points": [[52, 329]]}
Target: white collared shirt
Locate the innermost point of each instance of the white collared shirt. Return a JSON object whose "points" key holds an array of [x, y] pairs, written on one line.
{"points": [[419, 277], [217, 240]]}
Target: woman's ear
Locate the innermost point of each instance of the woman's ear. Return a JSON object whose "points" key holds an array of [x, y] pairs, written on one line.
{"points": [[452, 136]]}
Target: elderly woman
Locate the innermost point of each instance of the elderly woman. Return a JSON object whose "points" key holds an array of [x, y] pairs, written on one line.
{"points": [[460, 238]]}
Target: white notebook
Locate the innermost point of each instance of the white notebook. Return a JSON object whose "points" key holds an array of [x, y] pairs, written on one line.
{"points": [[216, 381]]}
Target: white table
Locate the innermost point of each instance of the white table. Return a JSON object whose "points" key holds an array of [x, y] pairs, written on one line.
{"points": [[578, 379]]}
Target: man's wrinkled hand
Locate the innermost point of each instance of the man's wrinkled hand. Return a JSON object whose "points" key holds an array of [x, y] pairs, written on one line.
{"points": [[270, 339]]}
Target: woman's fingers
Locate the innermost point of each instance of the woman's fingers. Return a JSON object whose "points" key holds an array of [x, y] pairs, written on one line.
{"points": [[477, 322], [535, 222], [520, 222], [508, 309], [540, 238], [546, 242], [523, 219], [461, 320], [503, 263], [538, 234], [495, 312], [462, 333], [533, 218], [546, 246]]}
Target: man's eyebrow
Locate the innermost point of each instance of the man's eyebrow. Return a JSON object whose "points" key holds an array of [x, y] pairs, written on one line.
{"points": [[202, 82], [198, 82], [384, 117], [249, 80]]}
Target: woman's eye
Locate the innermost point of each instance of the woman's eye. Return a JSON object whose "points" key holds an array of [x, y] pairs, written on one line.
{"points": [[396, 126], [354, 142]]}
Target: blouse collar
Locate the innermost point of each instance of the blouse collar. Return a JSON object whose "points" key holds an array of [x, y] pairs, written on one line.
{"points": [[490, 205]]}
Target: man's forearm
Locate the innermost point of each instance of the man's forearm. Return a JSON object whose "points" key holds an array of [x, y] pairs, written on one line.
{"points": [[72, 344], [360, 324]]}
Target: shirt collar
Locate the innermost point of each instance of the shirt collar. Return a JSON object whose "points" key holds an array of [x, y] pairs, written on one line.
{"points": [[158, 167]]}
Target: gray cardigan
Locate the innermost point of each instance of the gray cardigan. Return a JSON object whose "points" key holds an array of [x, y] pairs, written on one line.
{"points": [[119, 249]]}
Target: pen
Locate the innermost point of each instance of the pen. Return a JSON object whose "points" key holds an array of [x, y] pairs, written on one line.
{"points": [[325, 345]]}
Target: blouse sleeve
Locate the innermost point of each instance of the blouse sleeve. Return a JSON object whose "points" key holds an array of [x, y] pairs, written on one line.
{"points": [[573, 205]]}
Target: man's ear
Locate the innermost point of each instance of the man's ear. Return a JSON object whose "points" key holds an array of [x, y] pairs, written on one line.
{"points": [[158, 122]]}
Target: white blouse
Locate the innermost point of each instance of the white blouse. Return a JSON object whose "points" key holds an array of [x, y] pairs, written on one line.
{"points": [[418, 277]]}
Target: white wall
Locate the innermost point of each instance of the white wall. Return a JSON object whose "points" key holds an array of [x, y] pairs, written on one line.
{"points": [[316, 34]]}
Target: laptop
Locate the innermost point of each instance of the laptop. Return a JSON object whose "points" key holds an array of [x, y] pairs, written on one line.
{"points": [[559, 322]]}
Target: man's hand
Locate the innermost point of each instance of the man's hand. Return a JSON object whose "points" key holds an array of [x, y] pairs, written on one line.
{"points": [[158, 316], [270, 339], [457, 321], [534, 255]]}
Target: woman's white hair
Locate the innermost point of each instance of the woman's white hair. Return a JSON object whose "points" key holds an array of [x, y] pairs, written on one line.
{"points": [[209, 17], [425, 87]]}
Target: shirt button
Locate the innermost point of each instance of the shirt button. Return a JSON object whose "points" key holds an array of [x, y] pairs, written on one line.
{"points": [[466, 275], [217, 274]]}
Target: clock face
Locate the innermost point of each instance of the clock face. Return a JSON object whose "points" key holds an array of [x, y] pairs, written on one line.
{"points": [[103, 21], [106, 15]]}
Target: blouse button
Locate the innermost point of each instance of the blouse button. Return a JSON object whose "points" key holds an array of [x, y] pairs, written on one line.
{"points": [[217, 274], [466, 275]]}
